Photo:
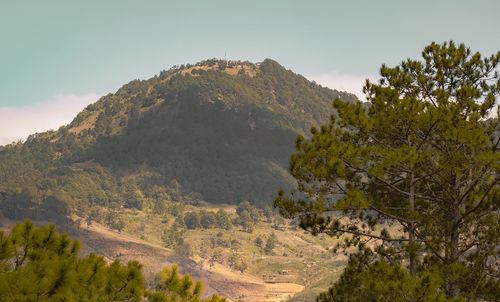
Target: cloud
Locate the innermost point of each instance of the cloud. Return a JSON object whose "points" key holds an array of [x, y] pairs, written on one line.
{"points": [[343, 82], [19, 122]]}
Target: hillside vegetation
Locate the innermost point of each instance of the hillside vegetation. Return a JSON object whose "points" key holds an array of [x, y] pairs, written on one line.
{"points": [[216, 131]]}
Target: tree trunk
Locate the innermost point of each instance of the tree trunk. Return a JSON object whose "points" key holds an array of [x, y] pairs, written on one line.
{"points": [[411, 229], [452, 289]]}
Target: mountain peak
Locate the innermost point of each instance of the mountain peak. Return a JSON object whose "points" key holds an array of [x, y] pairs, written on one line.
{"points": [[231, 67]]}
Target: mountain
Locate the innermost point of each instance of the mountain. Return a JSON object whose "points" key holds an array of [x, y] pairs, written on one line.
{"points": [[217, 131]]}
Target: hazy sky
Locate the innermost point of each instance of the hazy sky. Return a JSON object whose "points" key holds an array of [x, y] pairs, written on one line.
{"points": [[58, 56]]}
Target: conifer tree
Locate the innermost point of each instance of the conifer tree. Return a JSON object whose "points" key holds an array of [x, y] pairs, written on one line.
{"points": [[38, 264], [416, 169]]}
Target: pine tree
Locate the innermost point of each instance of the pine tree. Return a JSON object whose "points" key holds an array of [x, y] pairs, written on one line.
{"points": [[421, 155], [270, 244], [385, 282], [38, 264], [223, 220], [192, 220], [207, 219], [246, 221]]}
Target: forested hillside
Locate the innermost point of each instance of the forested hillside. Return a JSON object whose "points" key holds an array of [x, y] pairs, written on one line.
{"points": [[216, 131]]}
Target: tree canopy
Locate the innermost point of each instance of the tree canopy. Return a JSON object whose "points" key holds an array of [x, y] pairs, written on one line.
{"points": [[38, 264], [414, 172]]}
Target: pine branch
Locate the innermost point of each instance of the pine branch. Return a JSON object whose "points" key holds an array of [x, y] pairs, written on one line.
{"points": [[480, 202]]}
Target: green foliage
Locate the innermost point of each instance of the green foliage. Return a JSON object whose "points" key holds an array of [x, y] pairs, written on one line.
{"points": [[173, 237], [114, 220], [421, 155], [236, 262], [38, 264], [248, 216], [216, 257], [368, 280], [192, 220], [178, 287], [208, 219], [246, 221], [246, 206], [270, 244], [223, 220], [259, 242]]}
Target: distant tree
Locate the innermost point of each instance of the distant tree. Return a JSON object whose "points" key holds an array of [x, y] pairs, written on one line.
{"points": [[179, 222], [208, 219], [252, 211], [236, 262], [160, 197], [114, 220], [246, 221], [175, 208], [259, 242], [268, 213], [192, 220], [223, 220], [270, 244], [216, 257], [96, 214], [172, 237], [133, 197], [279, 222], [175, 190]]}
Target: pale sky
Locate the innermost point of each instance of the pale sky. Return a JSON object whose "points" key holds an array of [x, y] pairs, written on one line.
{"points": [[58, 56]]}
